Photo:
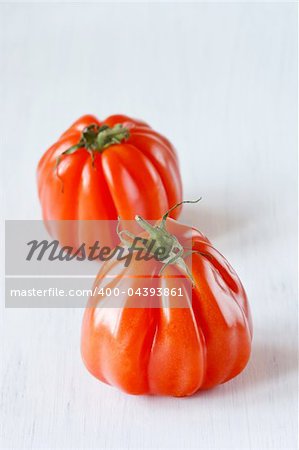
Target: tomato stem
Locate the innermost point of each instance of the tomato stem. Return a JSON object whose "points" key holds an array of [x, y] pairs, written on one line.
{"points": [[161, 239], [95, 138], [164, 217], [108, 136]]}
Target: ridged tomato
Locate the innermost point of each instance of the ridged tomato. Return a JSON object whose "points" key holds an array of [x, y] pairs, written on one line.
{"points": [[167, 349], [102, 170]]}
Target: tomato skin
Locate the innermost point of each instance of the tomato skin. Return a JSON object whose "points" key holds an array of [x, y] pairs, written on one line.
{"points": [[169, 351], [138, 176]]}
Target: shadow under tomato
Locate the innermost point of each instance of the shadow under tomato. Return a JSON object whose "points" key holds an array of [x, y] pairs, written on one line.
{"points": [[270, 362]]}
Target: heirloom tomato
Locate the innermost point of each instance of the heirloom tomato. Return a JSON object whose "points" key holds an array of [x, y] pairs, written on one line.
{"points": [[99, 170], [167, 347]]}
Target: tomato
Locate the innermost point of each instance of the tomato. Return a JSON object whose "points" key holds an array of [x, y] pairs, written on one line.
{"points": [[168, 349], [102, 170]]}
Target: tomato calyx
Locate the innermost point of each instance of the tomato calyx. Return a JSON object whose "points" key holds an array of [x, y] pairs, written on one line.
{"points": [[160, 238], [96, 138]]}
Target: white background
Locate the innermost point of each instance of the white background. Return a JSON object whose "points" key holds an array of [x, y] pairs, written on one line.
{"points": [[220, 81]]}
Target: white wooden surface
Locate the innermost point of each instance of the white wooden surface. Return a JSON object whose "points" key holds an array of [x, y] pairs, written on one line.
{"points": [[220, 81]]}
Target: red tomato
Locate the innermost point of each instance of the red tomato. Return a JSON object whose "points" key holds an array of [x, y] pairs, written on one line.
{"points": [[102, 170], [167, 350]]}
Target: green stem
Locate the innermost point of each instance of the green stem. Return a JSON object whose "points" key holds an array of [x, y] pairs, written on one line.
{"points": [[174, 252], [97, 138], [164, 218], [109, 136]]}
